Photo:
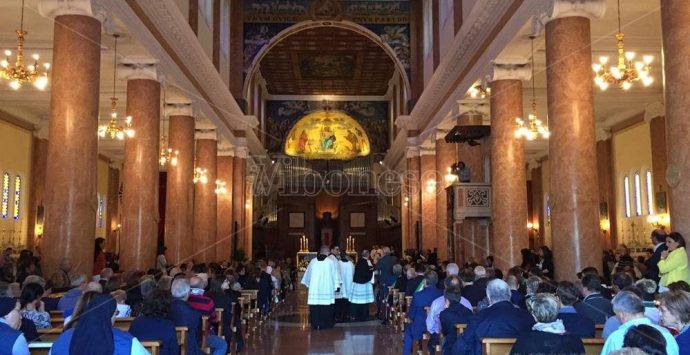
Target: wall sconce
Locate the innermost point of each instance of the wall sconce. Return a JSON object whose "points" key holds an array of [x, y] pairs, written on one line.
{"points": [[605, 225], [406, 201], [450, 177], [431, 186], [661, 220], [247, 205], [533, 227], [38, 230]]}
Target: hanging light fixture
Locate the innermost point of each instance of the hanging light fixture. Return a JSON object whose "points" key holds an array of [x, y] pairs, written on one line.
{"points": [[200, 175], [221, 187], [478, 91], [533, 128], [20, 73], [626, 71], [112, 130], [168, 155]]}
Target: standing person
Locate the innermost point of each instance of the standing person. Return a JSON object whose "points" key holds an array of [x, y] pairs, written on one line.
{"points": [[546, 262], [342, 298], [652, 269], [61, 278], [161, 261], [323, 280], [673, 265], [362, 288], [98, 256], [384, 272]]}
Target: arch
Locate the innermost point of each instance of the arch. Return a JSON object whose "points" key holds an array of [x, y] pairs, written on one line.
{"points": [[305, 25]]}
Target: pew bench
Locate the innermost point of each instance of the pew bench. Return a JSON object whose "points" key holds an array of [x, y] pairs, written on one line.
{"points": [[502, 346]]}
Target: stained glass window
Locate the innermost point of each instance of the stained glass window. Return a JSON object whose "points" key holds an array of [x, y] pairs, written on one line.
{"points": [[638, 194], [626, 195], [5, 195], [650, 192], [17, 197]]}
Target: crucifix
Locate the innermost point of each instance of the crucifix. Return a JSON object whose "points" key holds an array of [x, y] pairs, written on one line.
{"points": [[632, 234]]}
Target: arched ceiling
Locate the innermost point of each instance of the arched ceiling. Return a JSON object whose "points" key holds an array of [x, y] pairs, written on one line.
{"points": [[327, 61]]}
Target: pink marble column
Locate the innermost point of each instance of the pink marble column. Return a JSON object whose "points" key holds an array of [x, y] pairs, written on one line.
{"points": [[428, 214], [112, 219], [572, 147], [675, 25], [205, 202], [239, 199], [445, 157], [414, 205], [472, 157], [70, 190], [224, 208], [139, 236], [509, 189], [179, 201], [39, 157]]}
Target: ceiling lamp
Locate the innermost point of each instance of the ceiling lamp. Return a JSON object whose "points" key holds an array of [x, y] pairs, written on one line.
{"points": [[478, 91], [167, 155], [19, 73], [221, 187], [626, 71], [533, 128], [112, 130], [200, 175]]}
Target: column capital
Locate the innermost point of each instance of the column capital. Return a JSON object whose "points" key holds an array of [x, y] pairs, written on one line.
{"points": [[41, 131], [511, 71], [412, 152], [55, 8], [206, 134], [241, 152], [653, 110], [473, 106], [602, 133], [591, 9], [138, 69], [226, 151], [178, 109]]}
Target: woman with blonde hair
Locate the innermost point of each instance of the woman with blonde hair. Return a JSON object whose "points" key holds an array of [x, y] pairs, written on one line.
{"points": [[674, 308], [673, 265]]}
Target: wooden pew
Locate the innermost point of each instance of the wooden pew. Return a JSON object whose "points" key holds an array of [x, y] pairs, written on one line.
{"points": [[182, 339], [123, 323], [205, 325], [460, 328], [153, 347], [57, 314], [502, 346], [49, 334], [598, 330], [57, 322], [40, 348], [219, 319]]}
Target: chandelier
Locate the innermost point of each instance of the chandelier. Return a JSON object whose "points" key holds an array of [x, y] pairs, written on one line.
{"points": [[20, 73], [534, 127], [168, 155], [478, 91], [627, 71], [200, 175], [112, 130], [221, 187]]}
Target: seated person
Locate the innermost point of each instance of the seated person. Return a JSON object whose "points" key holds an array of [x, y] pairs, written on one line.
{"points": [[94, 333], [594, 306], [675, 314], [69, 299], [221, 300], [415, 278], [12, 340], [123, 309], [86, 297], [454, 314], [32, 307], [153, 324], [500, 320], [574, 322], [433, 319], [629, 310], [645, 338], [516, 297], [417, 314], [548, 335]]}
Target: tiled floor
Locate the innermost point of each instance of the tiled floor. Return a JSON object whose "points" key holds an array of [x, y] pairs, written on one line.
{"points": [[289, 333]]}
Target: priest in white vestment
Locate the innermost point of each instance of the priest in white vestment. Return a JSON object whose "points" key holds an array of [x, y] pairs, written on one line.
{"points": [[362, 288], [322, 277], [347, 270]]}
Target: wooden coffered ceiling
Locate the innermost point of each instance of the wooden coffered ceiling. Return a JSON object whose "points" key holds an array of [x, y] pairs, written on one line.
{"points": [[327, 61]]}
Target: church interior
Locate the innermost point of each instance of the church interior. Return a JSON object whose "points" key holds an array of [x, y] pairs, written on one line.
{"points": [[228, 135]]}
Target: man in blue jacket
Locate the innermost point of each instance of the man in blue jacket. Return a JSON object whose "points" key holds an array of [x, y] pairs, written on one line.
{"points": [[417, 314], [501, 319]]}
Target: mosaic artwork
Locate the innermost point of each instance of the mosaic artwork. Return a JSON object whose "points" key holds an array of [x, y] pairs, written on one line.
{"points": [[327, 134], [327, 66], [372, 116]]}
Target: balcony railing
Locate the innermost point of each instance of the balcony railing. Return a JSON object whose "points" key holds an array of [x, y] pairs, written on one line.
{"points": [[469, 200]]}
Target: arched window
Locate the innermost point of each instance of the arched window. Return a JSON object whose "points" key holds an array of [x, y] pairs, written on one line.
{"points": [[638, 193], [17, 197], [650, 192], [5, 195], [428, 27], [100, 212], [626, 196]]}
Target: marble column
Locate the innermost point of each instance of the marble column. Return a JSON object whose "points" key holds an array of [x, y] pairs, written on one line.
{"points": [[572, 146], [508, 180], [70, 181], [239, 167], [675, 25], [445, 157], [428, 195], [112, 218], [139, 235], [205, 199], [224, 208], [39, 157], [414, 205], [179, 201]]}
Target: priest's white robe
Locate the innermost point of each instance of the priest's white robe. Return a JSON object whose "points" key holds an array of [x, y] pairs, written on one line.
{"points": [[363, 293], [347, 271], [322, 278]]}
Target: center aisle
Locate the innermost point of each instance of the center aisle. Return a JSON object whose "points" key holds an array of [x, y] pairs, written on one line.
{"points": [[288, 332]]}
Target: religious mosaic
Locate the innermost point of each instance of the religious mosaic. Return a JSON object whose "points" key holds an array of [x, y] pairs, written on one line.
{"points": [[327, 134], [264, 19], [371, 116]]}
